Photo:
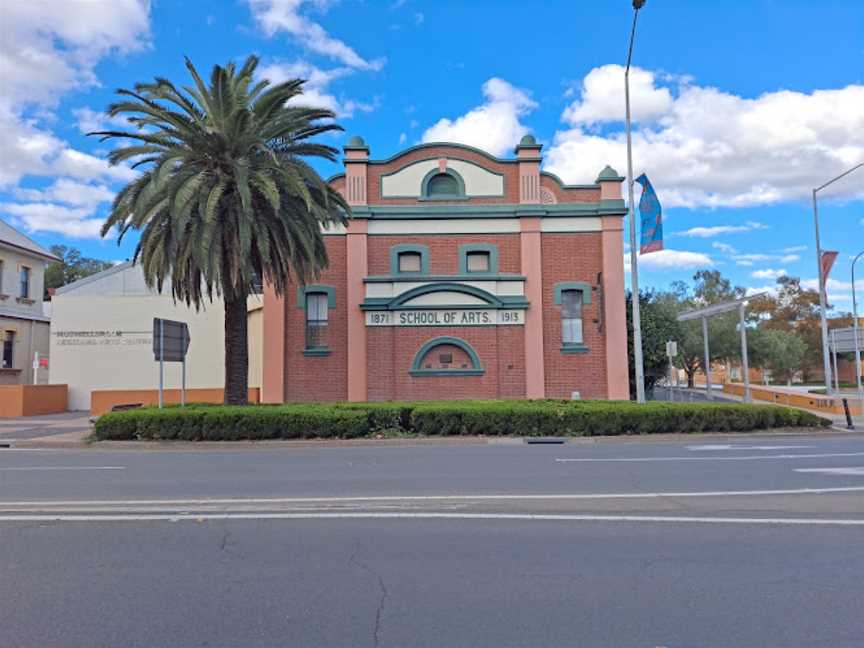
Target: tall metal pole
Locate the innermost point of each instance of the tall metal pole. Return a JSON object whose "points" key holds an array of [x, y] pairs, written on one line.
{"points": [[834, 354], [826, 360], [707, 358], [745, 365], [855, 329], [634, 262], [161, 362], [183, 370]]}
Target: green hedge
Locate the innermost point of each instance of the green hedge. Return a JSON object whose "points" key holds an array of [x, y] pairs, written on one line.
{"points": [[444, 418]]}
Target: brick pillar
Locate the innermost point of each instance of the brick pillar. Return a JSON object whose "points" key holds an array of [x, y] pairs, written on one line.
{"points": [[357, 270], [273, 362], [532, 268], [615, 309], [528, 155]]}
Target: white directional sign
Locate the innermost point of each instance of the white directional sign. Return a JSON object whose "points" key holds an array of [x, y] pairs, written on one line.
{"points": [[474, 317], [843, 340]]}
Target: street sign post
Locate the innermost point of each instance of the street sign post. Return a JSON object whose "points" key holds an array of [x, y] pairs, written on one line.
{"points": [[671, 352], [170, 344]]}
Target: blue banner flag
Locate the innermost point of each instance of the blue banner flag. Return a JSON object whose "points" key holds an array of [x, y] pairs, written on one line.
{"points": [[652, 218]]}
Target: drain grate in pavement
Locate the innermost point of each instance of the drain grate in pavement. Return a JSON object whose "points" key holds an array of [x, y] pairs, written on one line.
{"points": [[545, 440]]}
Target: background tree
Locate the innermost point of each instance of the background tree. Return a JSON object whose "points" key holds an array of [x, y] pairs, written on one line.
{"points": [[782, 352], [225, 196], [657, 311], [72, 266]]}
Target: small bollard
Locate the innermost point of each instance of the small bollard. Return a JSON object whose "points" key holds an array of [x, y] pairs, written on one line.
{"points": [[849, 424]]}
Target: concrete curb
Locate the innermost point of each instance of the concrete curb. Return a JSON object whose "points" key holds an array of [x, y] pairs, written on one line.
{"points": [[59, 443]]}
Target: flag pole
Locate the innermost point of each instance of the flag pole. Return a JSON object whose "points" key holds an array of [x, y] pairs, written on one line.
{"points": [[634, 267]]}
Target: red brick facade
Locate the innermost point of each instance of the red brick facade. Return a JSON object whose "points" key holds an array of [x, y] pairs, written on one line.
{"points": [[390, 358]]}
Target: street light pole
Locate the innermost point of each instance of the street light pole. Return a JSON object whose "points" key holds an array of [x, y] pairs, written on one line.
{"points": [[634, 268], [826, 359], [855, 329]]}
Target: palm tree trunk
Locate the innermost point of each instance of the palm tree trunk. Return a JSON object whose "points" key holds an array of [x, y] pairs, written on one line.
{"points": [[236, 352]]}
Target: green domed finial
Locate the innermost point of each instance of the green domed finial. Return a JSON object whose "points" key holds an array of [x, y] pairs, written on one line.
{"points": [[609, 174], [356, 142], [527, 140]]}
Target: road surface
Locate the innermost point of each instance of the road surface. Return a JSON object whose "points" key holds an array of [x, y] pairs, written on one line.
{"points": [[744, 541]]}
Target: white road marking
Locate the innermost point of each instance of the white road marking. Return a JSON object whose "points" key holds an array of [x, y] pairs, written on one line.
{"points": [[173, 517], [714, 458], [699, 448], [851, 470], [21, 468], [422, 498]]}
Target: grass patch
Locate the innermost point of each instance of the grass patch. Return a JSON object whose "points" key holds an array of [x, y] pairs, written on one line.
{"points": [[442, 418]]}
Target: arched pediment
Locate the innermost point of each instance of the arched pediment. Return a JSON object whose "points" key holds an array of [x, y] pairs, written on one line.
{"points": [[423, 295]]}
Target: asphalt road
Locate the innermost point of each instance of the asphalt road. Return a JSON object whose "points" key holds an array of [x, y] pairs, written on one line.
{"points": [[755, 541]]}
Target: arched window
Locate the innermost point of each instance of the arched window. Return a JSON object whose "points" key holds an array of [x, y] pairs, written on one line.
{"points": [[442, 184], [446, 356]]}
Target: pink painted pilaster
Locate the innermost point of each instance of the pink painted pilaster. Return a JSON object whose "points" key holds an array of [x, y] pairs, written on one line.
{"points": [[532, 268], [357, 270], [273, 362], [528, 155], [356, 161], [615, 314]]}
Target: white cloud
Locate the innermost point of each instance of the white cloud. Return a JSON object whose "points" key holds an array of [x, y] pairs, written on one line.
{"points": [[274, 16], [402, 138], [70, 192], [671, 259], [90, 120], [602, 97], [708, 232], [74, 222], [768, 273], [706, 147], [493, 126], [795, 248], [46, 50], [723, 247], [750, 259], [316, 90], [770, 289]]}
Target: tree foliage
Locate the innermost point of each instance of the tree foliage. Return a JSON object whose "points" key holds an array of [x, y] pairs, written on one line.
{"points": [[72, 266], [225, 196]]}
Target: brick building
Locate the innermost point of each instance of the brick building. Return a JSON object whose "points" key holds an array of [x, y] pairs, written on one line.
{"points": [[460, 275]]}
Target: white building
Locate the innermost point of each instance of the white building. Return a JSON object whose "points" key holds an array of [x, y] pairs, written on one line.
{"points": [[24, 325], [102, 333]]}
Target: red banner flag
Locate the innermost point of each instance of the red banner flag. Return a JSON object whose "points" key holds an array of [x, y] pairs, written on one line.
{"points": [[828, 259]]}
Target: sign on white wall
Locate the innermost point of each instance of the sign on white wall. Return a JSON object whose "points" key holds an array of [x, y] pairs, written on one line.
{"points": [[478, 317]]}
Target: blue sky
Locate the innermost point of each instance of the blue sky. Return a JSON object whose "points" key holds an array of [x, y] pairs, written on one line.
{"points": [[741, 107]]}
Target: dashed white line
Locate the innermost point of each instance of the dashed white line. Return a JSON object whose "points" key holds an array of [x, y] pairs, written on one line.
{"points": [[712, 458], [850, 470], [710, 447], [24, 468]]}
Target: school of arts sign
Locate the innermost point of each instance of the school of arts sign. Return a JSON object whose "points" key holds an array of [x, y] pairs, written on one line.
{"points": [[474, 317]]}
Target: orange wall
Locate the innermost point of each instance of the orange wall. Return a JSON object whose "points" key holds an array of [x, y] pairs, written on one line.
{"points": [[102, 400], [824, 404], [32, 400]]}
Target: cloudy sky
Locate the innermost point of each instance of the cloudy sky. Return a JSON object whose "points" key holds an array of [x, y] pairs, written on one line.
{"points": [[741, 106]]}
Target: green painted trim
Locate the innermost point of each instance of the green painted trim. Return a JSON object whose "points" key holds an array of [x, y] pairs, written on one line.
{"points": [[475, 370], [474, 276], [491, 248], [429, 145], [423, 250], [573, 285], [574, 348], [372, 305], [561, 184], [515, 302], [437, 212], [335, 176], [408, 295], [302, 291], [316, 352]]}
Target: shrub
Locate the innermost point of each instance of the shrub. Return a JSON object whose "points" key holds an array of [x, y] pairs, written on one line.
{"points": [[444, 418]]}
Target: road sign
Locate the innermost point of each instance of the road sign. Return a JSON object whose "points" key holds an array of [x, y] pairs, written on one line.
{"points": [[170, 340], [671, 348], [842, 340], [170, 344]]}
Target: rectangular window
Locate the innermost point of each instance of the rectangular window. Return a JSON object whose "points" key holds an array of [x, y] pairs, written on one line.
{"points": [[316, 320], [477, 262], [571, 316], [25, 282], [410, 262], [8, 349], [2, 268]]}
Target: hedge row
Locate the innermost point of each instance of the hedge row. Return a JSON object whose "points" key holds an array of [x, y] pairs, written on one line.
{"points": [[446, 418]]}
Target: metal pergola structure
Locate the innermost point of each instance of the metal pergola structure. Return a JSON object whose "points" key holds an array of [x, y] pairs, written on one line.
{"points": [[719, 309]]}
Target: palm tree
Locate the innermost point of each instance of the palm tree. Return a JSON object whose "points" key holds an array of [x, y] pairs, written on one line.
{"points": [[225, 198]]}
